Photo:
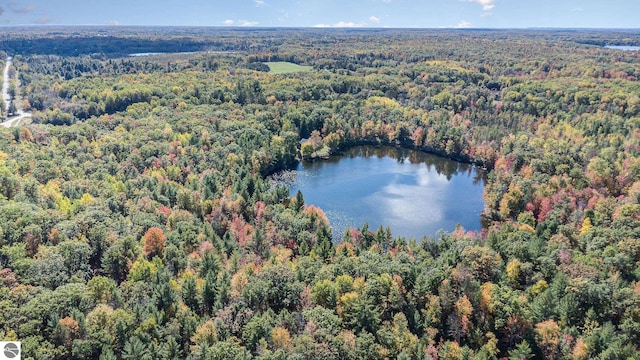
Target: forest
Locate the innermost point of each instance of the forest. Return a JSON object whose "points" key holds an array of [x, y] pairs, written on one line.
{"points": [[138, 221]]}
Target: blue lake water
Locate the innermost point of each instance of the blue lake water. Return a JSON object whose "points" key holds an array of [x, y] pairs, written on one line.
{"points": [[623, 47], [414, 193]]}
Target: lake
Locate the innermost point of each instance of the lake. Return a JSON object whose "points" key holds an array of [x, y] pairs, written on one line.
{"points": [[414, 193], [623, 47]]}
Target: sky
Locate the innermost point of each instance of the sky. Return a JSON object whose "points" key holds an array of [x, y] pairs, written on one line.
{"points": [[327, 13]]}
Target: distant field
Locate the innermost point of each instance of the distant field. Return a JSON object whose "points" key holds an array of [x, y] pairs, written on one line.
{"points": [[281, 67]]}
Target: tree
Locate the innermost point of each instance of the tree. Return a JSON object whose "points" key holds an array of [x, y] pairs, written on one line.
{"points": [[66, 331], [101, 289], [307, 149], [119, 258], [107, 354], [521, 352], [206, 334], [548, 337], [258, 329], [135, 349], [189, 292], [12, 110], [76, 256], [281, 338], [324, 246], [299, 201], [274, 287], [361, 315], [315, 141], [170, 349], [325, 294], [210, 291], [154, 242]]}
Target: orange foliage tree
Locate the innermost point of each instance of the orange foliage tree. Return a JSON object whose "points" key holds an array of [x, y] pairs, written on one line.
{"points": [[154, 242]]}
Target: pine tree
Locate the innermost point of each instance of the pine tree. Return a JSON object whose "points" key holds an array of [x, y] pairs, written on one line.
{"points": [[299, 201], [209, 291], [324, 247]]}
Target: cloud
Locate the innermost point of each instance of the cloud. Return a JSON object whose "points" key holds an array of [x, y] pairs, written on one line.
{"points": [[374, 20], [578, 9], [43, 20], [259, 3], [463, 24], [16, 8], [487, 5], [387, 1], [399, 204], [341, 24], [248, 23], [113, 23]]}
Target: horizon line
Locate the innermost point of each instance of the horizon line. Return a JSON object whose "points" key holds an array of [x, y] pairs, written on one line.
{"points": [[314, 27]]}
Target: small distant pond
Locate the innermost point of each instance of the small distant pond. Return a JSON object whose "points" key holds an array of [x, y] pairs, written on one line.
{"points": [[623, 47], [141, 54], [160, 53], [414, 193]]}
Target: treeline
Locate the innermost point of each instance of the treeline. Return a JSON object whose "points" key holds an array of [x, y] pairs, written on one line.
{"points": [[137, 220]]}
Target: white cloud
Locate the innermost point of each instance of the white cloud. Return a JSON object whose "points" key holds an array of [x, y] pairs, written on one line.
{"points": [[346, 24], [374, 20], [398, 199], [248, 23], [387, 1], [487, 5], [114, 23], [259, 3], [341, 24], [228, 22], [463, 24], [578, 9]]}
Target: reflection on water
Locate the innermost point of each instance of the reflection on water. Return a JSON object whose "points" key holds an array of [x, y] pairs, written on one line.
{"points": [[416, 194]]}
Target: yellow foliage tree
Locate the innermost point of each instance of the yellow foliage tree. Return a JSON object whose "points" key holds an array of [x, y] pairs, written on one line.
{"points": [[206, 334], [142, 269], [510, 202], [513, 271], [238, 281], [486, 298], [280, 338], [586, 226]]}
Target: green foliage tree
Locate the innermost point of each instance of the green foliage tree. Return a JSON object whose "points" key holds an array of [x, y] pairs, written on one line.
{"points": [[325, 293]]}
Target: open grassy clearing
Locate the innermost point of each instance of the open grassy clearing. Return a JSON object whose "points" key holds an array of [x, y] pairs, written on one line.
{"points": [[282, 67]]}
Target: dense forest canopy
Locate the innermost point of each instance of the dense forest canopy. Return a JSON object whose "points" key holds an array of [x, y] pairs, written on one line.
{"points": [[137, 221]]}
